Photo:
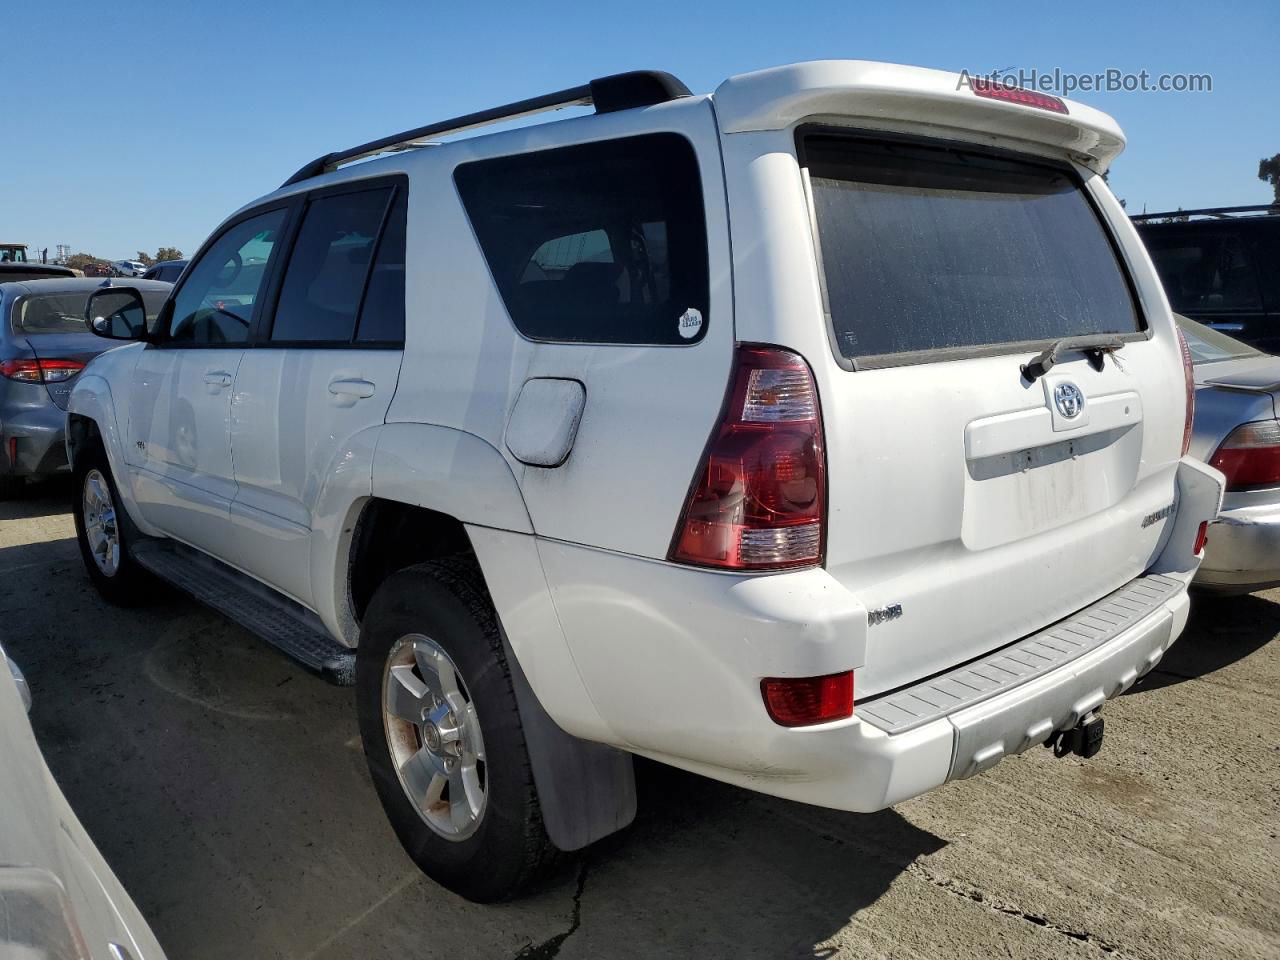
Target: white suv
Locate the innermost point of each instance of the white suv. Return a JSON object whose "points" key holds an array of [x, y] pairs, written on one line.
{"points": [[824, 436]]}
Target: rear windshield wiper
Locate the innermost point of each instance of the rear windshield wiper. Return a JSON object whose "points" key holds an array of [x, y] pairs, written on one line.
{"points": [[1095, 347]]}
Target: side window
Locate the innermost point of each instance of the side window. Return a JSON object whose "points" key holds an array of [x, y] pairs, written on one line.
{"points": [[1206, 270], [324, 281], [598, 243], [215, 304], [382, 316]]}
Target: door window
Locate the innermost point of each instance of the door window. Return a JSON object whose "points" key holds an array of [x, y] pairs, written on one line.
{"points": [[382, 316], [324, 282], [215, 304]]}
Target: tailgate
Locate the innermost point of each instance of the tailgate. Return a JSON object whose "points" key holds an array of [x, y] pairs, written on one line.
{"points": [[970, 504]]}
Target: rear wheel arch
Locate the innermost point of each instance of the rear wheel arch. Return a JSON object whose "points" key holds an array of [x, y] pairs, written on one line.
{"points": [[390, 536]]}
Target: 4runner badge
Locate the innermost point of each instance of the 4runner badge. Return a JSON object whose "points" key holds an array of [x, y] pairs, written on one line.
{"points": [[1068, 399], [690, 323]]}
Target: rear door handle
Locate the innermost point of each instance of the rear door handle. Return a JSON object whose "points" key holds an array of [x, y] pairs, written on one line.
{"points": [[352, 388], [217, 378]]}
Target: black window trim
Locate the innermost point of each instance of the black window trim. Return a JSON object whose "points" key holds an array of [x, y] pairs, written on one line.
{"points": [[162, 340], [944, 354], [263, 323], [703, 333]]}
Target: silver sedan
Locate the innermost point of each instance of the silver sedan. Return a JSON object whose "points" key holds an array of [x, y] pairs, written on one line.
{"points": [[1237, 430]]}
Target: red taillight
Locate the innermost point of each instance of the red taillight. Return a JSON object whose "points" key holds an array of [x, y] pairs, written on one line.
{"points": [[799, 702], [40, 371], [1189, 381], [1202, 535], [1028, 98], [759, 499], [1250, 456]]}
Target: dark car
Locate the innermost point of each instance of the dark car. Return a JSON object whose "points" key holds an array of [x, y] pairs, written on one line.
{"points": [[44, 344], [167, 270], [16, 271], [1221, 267]]}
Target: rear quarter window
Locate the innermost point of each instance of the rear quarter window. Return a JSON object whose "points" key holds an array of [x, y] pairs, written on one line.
{"points": [[598, 243], [931, 248]]}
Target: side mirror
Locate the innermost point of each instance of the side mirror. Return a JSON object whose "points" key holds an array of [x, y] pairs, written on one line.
{"points": [[116, 313]]}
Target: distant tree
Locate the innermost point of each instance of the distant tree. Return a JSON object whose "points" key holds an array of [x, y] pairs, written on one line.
{"points": [[145, 258], [1269, 172], [168, 253], [1172, 218], [88, 263]]}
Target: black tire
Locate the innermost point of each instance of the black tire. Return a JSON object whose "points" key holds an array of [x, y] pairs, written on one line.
{"points": [[130, 585], [447, 602]]}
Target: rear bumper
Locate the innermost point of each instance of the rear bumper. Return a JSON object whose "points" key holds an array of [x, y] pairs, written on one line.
{"points": [[36, 437], [863, 765], [1243, 550], [672, 658]]}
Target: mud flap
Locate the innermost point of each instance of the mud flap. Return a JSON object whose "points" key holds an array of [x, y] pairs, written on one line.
{"points": [[587, 790]]}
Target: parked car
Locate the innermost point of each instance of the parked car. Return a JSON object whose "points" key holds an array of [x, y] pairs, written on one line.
{"points": [[129, 268], [58, 897], [660, 431], [1221, 267], [13, 253], [44, 344], [166, 270], [1237, 430]]}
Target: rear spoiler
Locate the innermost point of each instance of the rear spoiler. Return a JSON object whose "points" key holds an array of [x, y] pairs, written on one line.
{"points": [[852, 90]]}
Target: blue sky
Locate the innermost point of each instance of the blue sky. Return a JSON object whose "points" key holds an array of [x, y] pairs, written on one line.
{"points": [[148, 123]]}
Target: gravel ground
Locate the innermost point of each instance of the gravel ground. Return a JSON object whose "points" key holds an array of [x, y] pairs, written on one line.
{"points": [[227, 788]]}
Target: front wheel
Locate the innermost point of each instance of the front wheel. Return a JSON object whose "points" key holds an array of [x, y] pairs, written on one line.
{"points": [[105, 532], [442, 733]]}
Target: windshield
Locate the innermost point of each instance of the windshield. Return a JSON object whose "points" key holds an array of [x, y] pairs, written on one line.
{"points": [[931, 248], [64, 312], [1208, 345]]}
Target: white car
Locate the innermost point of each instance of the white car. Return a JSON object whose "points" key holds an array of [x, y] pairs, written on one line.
{"points": [[58, 898], [825, 435], [129, 268]]}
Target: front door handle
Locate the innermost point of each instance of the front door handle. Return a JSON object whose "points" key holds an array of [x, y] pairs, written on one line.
{"points": [[217, 378], [361, 389]]}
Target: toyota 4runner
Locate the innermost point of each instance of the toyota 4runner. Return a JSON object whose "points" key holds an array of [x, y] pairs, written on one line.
{"points": [[825, 435]]}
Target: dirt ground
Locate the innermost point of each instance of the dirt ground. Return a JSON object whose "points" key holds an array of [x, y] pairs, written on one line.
{"points": [[227, 788]]}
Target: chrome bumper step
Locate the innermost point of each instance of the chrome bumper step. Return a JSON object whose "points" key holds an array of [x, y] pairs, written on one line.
{"points": [[1019, 662]]}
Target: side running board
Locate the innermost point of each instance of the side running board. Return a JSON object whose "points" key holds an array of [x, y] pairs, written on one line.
{"points": [[284, 624]]}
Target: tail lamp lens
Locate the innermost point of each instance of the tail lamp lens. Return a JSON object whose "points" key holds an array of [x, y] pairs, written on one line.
{"points": [[1250, 456], [1189, 381], [40, 371], [759, 498], [802, 701]]}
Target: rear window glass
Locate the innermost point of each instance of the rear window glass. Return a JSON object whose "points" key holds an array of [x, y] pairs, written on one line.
{"points": [[600, 243], [932, 248], [64, 312]]}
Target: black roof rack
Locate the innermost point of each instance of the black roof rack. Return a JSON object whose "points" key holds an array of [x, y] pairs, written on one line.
{"points": [[1218, 213], [621, 91]]}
